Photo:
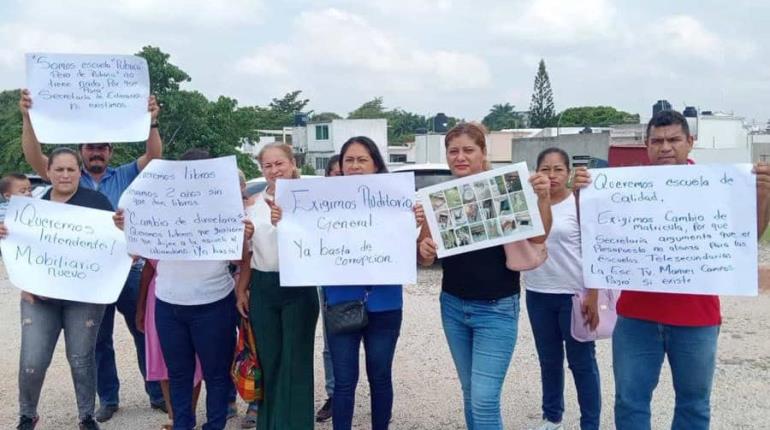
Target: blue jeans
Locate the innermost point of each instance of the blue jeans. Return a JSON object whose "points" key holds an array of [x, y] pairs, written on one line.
{"points": [[41, 323], [551, 318], [638, 349], [481, 336], [328, 367], [107, 382], [379, 337], [205, 330]]}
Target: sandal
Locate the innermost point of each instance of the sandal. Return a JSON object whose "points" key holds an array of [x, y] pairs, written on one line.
{"points": [[249, 421]]}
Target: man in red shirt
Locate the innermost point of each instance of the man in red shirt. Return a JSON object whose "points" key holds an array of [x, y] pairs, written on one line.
{"points": [[682, 327]]}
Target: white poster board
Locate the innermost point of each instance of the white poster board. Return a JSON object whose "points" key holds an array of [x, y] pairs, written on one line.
{"points": [[80, 98], [185, 210], [676, 229], [483, 210], [64, 251], [347, 230]]}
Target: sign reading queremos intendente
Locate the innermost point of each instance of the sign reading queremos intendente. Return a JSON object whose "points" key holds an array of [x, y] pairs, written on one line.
{"points": [[64, 251]]}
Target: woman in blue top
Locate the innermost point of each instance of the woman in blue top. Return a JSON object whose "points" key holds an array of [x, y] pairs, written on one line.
{"points": [[360, 156]]}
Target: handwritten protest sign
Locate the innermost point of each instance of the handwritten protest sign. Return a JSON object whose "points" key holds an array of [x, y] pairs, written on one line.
{"points": [[185, 210], [483, 210], [678, 229], [64, 251], [88, 98], [348, 230]]}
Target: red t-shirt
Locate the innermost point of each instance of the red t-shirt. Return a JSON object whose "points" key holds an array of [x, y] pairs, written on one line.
{"points": [[691, 310]]}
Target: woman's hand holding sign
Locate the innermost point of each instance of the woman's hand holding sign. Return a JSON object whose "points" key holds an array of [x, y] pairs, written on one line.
{"points": [[119, 219]]}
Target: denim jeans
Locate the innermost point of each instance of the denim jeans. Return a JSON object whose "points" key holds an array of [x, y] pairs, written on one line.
{"points": [[108, 384], [41, 323], [328, 367], [638, 349], [551, 318], [205, 330], [379, 337], [481, 335]]}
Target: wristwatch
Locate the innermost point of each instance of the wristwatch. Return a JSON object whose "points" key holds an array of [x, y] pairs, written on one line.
{"points": [[154, 124]]}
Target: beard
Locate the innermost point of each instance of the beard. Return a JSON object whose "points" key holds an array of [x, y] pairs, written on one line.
{"points": [[95, 168]]}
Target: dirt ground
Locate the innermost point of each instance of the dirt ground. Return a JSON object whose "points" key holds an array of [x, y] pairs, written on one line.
{"points": [[426, 386]]}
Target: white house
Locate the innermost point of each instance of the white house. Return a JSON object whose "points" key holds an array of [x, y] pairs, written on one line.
{"points": [[720, 138], [319, 141], [401, 154]]}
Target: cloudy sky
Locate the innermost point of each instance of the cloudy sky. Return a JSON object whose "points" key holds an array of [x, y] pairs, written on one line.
{"points": [[425, 56]]}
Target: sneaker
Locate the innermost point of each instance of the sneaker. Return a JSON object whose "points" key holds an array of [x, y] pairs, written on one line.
{"points": [[89, 424], [547, 425], [325, 413], [26, 423], [105, 412], [159, 406]]}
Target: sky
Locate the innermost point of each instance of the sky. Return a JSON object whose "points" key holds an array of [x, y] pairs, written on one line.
{"points": [[425, 56]]}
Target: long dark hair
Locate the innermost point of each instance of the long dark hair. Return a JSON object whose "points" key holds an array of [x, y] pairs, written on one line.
{"points": [[554, 150], [371, 147], [334, 159]]}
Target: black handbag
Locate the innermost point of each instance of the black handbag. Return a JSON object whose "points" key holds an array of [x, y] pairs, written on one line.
{"points": [[346, 317]]}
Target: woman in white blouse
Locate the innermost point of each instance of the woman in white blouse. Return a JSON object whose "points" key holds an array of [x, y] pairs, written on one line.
{"points": [[283, 319]]}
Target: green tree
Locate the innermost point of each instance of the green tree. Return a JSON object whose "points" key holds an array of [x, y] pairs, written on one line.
{"points": [[403, 125], [541, 110], [307, 170], [189, 120], [11, 157], [164, 76], [370, 110], [324, 117], [595, 116], [289, 103], [501, 116]]}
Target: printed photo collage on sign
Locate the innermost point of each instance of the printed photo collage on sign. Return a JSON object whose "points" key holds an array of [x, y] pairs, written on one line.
{"points": [[487, 209]]}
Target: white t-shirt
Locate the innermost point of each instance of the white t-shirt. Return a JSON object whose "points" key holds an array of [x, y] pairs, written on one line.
{"points": [[264, 242], [192, 283], [562, 272]]}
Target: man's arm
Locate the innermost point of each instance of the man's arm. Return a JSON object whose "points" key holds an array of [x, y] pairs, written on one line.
{"points": [[154, 148], [33, 153]]}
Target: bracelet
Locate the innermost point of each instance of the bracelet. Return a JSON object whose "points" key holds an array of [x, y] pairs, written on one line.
{"points": [[154, 125]]}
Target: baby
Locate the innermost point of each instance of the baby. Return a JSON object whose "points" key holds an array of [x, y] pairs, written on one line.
{"points": [[13, 184]]}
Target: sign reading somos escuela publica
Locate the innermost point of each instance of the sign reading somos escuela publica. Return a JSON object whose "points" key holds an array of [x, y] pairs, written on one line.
{"points": [[677, 229], [64, 251], [483, 210], [185, 210], [347, 230], [78, 98]]}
